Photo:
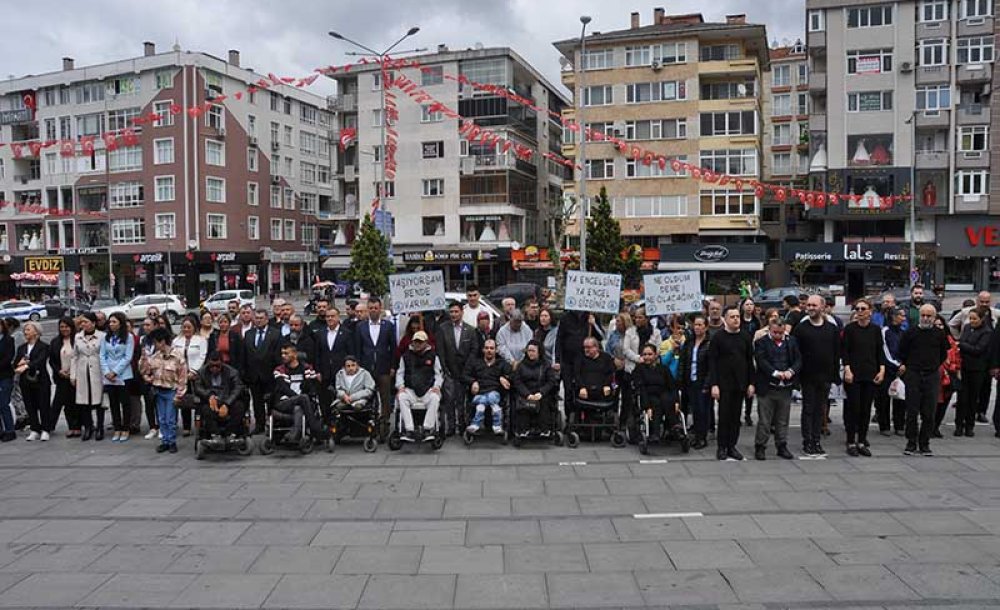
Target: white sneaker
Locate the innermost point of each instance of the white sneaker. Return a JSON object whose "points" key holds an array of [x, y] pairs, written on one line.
{"points": [[159, 435], [45, 436], [151, 435], [497, 430], [32, 437], [472, 429]]}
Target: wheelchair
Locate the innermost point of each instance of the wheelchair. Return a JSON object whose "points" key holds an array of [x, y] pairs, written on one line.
{"points": [[553, 434], [356, 421], [278, 426], [677, 433], [395, 439], [203, 444], [486, 431], [594, 417]]}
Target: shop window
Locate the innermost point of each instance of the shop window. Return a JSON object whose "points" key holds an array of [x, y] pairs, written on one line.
{"points": [[433, 226]]}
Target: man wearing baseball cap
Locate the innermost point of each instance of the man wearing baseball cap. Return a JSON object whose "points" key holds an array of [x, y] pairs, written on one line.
{"points": [[418, 382]]}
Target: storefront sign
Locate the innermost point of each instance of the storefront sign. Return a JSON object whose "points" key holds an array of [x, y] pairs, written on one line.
{"points": [[431, 256], [43, 264], [82, 251], [669, 293], [8, 117], [840, 252], [597, 292], [711, 254], [291, 257], [705, 256], [972, 235], [153, 258], [223, 257], [412, 292]]}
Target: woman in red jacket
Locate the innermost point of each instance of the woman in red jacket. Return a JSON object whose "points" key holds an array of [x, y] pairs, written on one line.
{"points": [[950, 381]]}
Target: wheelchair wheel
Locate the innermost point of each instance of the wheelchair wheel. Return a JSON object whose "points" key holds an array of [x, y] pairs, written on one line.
{"points": [[306, 445], [572, 440], [643, 446], [617, 439], [395, 443], [330, 443], [685, 444], [516, 441], [200, 450], [468, 438], [244, 446], [557, 439], [370, 445], [266, 446], [437, 443]]}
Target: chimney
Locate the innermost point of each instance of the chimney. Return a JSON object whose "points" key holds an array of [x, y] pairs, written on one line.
{"points": [[148, 49], [442, 48], [635, 21], [736, 19], [234, 58], [67, 63], [658, 14]]}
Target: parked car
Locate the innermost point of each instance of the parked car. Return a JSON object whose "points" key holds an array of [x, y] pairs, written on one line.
{"points": [[103, 303], [169, 305], [59, 307], [520, 292], [772, 297], [218, 302], [23, 310], [903, 298]]}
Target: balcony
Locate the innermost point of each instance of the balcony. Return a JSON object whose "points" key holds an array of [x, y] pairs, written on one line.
{"points": [[93, 235], [935, 29], [347, 102], [568, 77], [816, 42], [340, 210], [729, 67], [974, 114], [474, 163], [932, 75], [817, 122], [980, 26], [970, 74], [493, 199], [817, 82], [972, 160], [932, 159], [939, 119], [972, 203]]}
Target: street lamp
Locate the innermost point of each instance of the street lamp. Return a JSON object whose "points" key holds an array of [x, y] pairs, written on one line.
{"points": [[582, 195], [381, 57], [912, 122]]}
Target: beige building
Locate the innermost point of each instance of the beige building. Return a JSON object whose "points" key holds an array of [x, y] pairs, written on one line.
{"points": [[686, 89]]}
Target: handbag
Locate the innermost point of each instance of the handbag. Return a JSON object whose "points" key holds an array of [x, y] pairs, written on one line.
{"points": [[897, 389]]}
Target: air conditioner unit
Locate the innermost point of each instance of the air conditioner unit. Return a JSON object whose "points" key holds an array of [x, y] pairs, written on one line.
{"points": [[252, 140], [222, 132], [349, 173], [275, 145], [468, 165], [656, 65], [906, 68], [275, 179]]}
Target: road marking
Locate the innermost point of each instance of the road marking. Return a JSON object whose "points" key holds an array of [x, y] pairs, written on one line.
{"points": [[812, 458], [572, 463], [652, 461], [666, 515]]}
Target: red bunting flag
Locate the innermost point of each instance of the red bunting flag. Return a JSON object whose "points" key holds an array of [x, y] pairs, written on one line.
{"points": [[87, 145], [67, 148], [35, 147], [110, 141], [129, 137], [17, 149]]}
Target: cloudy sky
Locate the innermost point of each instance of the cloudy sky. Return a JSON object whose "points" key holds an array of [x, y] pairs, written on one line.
{"points": [[288, 37]]}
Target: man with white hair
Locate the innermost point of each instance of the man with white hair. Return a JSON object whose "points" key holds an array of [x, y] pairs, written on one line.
{"points": [[922, 351], [513, 337], [960, 320]]}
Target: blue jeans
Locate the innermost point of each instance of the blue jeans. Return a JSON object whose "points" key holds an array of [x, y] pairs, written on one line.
{"points": [[6, 415], [700, 403], [166, 414], [489, 399]]}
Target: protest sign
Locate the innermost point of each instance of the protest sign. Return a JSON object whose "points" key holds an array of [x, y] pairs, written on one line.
{"points": [[596, 292], [411, 292], [670, 293]]}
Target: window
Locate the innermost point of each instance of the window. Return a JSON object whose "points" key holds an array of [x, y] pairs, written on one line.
{"points": [[599, 95], [638, 93], [163, 151], [802, 107], [973, 9], [253, 194], [874, 61], [128, 231], [426, 116], [389, 189], [288, 136], [274, 132], [307, 142], [253, 228], [869, 16], [164, 188], [600, 169], [289, 230], [817, 21], [275, 229], [307, 114], [377, 80], [869, 101], [972, 182], [120, 119], [216, 226], [308, 171], [215, 189], [803, 78], [974, 50], [289, 199], [377, 117], [729, 123], [662, 129], [89, 93], [933, 52], [215, 153], [213, 84], [491, 71], [89, 124], [51, 164], [50, 97], [322, 174], [164, 79], [215, 117], [166, 226], [126, 194], [252, 158], [781, 105], [324, 147], [286, 105], [431, 75], [729, 90], [275, 102], [933, 10], [65, 127], [782, 135], [275, 196], [782, 76], [599, 59], [432, 150], [251, 126], [162, 110], [721, 52], [781, 164], [288, 168], [735, 162], [670, 53], [126, 158], [973, 139], [728, 203], [433, 187], [307, 202], [636, 168], [933, 98], [64, 95], [433, 226]]}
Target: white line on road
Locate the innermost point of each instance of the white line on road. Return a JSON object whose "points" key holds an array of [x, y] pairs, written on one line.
{"points": [[666, 515], [652, 461], [572, 463]]}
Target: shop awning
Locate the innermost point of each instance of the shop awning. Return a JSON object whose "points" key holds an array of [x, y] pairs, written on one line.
{"points": [[695, 266]]}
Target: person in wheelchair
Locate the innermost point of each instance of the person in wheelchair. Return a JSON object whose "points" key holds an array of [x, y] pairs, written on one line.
{"points": [[534, 382], [657, 393], [294, 388], [594, 373], [222, 409], [486, 377], [354, 386], [419, 380]]}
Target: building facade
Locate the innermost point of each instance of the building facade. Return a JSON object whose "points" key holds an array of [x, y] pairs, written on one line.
{"points": [[901, 105], [228, 198], [458, 206], [686, 89]]}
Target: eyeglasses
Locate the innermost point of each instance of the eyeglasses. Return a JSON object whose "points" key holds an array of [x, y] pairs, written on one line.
{"points": [[860, 309]]}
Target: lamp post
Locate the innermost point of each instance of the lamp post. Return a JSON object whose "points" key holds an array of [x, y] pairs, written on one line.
{"points": [[912, 121], [582, 195], [380, 191]]}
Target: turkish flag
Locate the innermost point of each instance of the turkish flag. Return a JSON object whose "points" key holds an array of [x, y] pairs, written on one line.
{"points": [[17, 149], [67, 148], [35, 147], [129, 137], [87, 145], [348, 136], [110, 141]]}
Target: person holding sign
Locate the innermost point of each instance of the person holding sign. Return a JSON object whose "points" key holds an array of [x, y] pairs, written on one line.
{"points": [[730, 355]]}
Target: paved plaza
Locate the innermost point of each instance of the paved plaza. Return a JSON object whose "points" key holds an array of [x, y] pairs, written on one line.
{"points": [[105, 525]]}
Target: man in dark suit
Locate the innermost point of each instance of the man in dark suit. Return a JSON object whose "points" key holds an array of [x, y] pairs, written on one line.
{"points": [[333, 344], [302, 338], [457, 343], [261, 354], [375, 341]]}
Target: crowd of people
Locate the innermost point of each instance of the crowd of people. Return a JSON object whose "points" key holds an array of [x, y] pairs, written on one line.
{"points": [[461, 366]]}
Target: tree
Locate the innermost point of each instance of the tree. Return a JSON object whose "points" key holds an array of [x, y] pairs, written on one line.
{"points": [[800, 268], [607, 250], [370, 263], [561, 211]]}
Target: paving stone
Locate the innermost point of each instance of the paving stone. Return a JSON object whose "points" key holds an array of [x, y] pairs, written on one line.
{"points": [[593, 590], [545, 506], [706, 554], [379, 560], [131, 590], [946, 581], [556, 531], [503, 531], [677, 503], [795, 526], [626, 556], [451, 489], [211, 508], [684, 588], [398, 591], [353, 533], [926, 522], [939, 549], [476, 507], [759, 483], [775, 585], [316, 591], [537, 558], [501, 591], [12, 529], [462, 560], [631, 529], [323, 489], [576, 487], [379, 490], [207, 533], [785, 552], [512, 488], [638, 486], [409, 508], [65, 531], [804, 500], [862, 583], [280, 533], [232, 590], [52, 557], [723, 527], [84, 507], [703, 485], [869, 499], [342, 509], [861, 551], [428, 533], [203, 489], [296, 560], [145, 507], [216, 559], [866, 524], [929, 499], [610, 505], [151, 558], [66, 590]]}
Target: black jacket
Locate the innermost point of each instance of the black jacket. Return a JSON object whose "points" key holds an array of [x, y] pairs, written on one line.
{"points": [[329, 361], [453, 357], [974, 344], [6, 357], [653, 382], [730, 357], [228, 392], [923, 350], [377, 359], [488, 376], [259, 362], [593, 373], [55, 358], [771, 358], [684, 371], [235, 347], [820, 347], [535, 377], [36, 363]]}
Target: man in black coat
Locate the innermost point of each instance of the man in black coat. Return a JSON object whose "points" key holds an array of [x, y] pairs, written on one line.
{"points": [[819, 342], [301, 337], [332, 345], [375, 345], [922, 351], [730, 366], [456, 343], [261, 354], [778, 364], [221, 391]]}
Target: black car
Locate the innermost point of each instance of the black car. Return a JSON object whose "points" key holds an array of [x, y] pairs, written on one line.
{"points": [[57, 308], [520, 292]]}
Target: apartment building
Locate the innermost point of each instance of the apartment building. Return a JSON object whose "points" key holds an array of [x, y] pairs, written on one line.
{"points": [[458, 206], [786, 152], [230, 198], [901, 96], [689, 90]]}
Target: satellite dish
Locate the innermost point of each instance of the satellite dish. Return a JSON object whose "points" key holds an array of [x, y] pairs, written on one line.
{"points": [[741, 89], [479, 46]]}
